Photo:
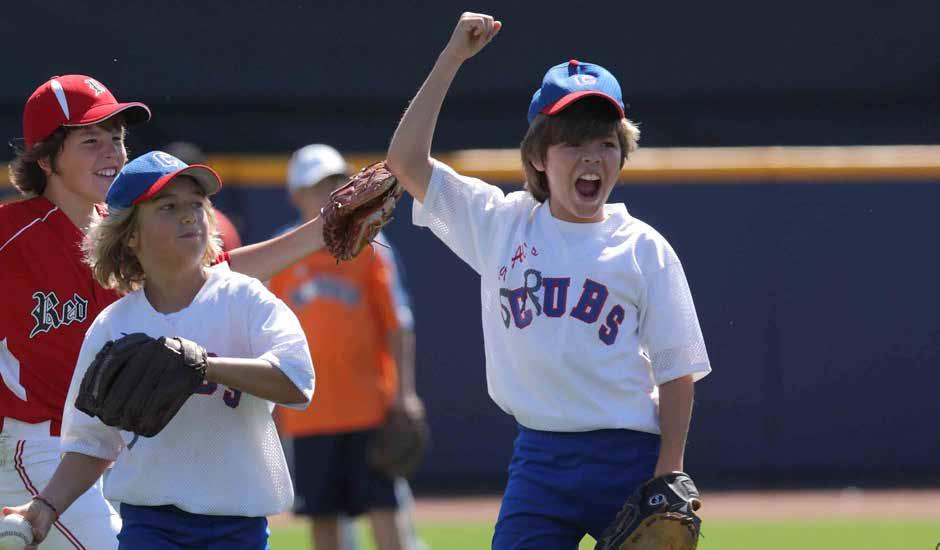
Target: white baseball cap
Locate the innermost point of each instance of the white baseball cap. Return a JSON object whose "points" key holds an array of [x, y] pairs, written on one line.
{"points": [[309, 165]]}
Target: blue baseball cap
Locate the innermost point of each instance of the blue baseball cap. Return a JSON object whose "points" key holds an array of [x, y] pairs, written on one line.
{"points": [[145, 176], [568, 82]]}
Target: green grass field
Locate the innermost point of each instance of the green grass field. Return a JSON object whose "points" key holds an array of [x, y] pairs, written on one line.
{"points": [[718, 535]]}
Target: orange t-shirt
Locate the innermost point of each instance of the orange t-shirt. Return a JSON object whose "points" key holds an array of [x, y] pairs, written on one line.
{"points": [[347, 311]]}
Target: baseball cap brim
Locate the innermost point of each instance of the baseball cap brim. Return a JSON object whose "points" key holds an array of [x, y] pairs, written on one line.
{"points": [[134, 113], [206, 177], [558, 106]]}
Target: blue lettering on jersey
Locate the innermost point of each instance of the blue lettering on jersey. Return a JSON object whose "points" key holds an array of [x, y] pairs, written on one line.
{"points": [[207, 388], [608, 331], [517, 304], [550, 294], [518, 299], [556, 295], [591, 303], [230, 396], [324, 287]]}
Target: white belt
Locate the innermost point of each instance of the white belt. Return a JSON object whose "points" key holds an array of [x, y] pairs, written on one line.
{"points": [[17, 429]]}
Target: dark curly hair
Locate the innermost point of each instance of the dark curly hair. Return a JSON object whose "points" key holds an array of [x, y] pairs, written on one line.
{"points": [[25, 172]]}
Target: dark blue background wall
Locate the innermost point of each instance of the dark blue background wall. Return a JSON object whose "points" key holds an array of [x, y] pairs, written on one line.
{"points": [[819, 307], [244, 75]]}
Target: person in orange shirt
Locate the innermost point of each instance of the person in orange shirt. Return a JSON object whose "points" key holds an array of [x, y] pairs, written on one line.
{"points": [[359, 326]]}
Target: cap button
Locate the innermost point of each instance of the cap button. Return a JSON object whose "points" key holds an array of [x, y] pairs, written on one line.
{"points": [[573, 62]]}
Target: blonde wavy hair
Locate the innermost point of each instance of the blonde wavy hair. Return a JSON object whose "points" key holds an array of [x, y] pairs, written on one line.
{"points": [[113, 262], [586, 119]]}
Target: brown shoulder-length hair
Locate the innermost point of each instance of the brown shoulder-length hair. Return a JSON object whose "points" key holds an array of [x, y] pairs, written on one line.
{"points": [[584, 120], [25, 172], [113, 262]]}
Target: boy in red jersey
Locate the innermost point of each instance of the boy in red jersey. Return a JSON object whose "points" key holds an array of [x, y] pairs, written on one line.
{"points": [[73, 149]]}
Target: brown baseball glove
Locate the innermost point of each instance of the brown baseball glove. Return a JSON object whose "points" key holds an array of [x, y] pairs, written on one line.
{"points": [[138, 383], [398, 448], [358, 210], [659, 515]]}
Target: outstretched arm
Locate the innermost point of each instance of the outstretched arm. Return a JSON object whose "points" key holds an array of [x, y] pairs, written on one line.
{"points": [[255, 376], [265, 259], [409, 154]]}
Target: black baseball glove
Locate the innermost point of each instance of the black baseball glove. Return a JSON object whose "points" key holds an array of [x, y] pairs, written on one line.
{"points": [[138, 383], [659, 515]]}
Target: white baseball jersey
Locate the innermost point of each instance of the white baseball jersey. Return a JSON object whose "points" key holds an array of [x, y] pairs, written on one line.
{"points": [[581, 322], [220, 455]]}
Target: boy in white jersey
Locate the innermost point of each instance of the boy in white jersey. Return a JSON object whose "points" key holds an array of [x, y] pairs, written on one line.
{"points": [[73, 148], [592, 341], [217, 469]]}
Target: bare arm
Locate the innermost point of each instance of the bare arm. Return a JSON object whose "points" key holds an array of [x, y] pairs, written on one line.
{"points": [[265, 259], [409, 154], [402, 344], [675, 413], [254, 376], [74, 475]]}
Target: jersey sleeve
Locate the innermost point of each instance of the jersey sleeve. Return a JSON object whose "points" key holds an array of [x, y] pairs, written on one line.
{"points": [[462, 212], [276, 336], [82, 433], [222, 259], [669, 325]]}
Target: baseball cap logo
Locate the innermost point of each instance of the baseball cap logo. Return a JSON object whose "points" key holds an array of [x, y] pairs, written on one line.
{"points": [[584, 79], [95, 86], [168, 160], [60, 96]]}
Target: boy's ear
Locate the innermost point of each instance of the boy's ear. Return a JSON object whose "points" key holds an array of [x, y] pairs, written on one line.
{"points": [[132, 240], [45, 165], [537, 163]]}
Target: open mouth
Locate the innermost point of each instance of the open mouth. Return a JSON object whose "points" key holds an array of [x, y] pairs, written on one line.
{"points": [[588, 186]]}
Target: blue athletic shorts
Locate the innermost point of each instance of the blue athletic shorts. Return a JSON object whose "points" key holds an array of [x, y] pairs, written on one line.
{"points": [[332, 476], [563, 485], [169, 528]]}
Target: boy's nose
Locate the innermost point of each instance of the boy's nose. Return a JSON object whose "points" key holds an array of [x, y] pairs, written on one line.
{"points": [[591, 155]]}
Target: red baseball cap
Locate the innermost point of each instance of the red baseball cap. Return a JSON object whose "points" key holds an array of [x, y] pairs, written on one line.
{"points": [[73, 100]]}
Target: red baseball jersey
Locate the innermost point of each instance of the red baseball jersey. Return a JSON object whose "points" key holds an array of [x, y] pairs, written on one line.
{"points": [[49, 300]]}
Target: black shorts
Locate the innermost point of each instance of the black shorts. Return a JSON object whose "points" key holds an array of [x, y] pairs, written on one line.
{"points": [[332, 476]]}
